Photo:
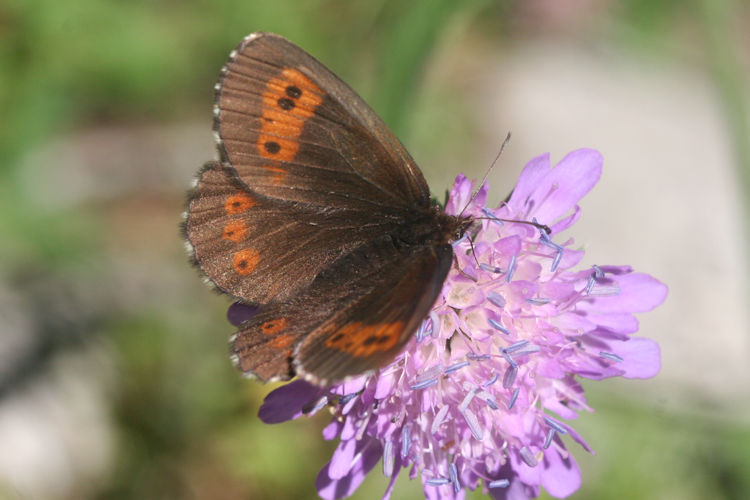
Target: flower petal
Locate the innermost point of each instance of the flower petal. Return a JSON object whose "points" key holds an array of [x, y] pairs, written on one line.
{"points": [[618, 323], [638, 293], [332, 430], [396, 469], [564, 223], [531, 176], [560, 476], [566, 184], [286, 402], [341, 461], [367, 453], [641, 357], [460, 195]]}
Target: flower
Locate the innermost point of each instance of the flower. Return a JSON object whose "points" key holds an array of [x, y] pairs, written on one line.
{"points": [[480, 396]]}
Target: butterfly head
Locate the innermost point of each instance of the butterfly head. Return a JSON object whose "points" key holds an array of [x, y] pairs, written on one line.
{"points": [[450, 228]]}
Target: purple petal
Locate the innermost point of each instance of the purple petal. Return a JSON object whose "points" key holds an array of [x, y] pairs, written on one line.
{"points": [[560, 476], [618, 323], [240, 312], [459, 195], [286, 402], [350, 429], [577, 438], [443, 492], [638, 293], [566, 222], [394, 476], [570, 257], [342, 460], [481, 198], [332, 430], [385, 384], [351, 386], [531, 176], [518, 490], [641, 357], [529, 475], [562, 188], [367, 453], [463, 293], [572, 322]]}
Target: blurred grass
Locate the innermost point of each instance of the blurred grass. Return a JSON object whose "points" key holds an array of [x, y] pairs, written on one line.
{"points": [[722, 30], [186, 424]]}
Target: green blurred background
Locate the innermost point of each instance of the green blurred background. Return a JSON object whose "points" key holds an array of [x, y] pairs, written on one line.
{"points": [[114, 379]]}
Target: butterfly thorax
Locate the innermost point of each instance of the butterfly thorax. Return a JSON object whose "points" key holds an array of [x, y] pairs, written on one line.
{"points": [[432, 227]]}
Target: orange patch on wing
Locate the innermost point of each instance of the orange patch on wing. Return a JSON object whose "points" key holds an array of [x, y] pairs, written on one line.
{"points": [[278, 173], [311, 95], [245, 261], [288, 101], [277, 148], [235, 231], [241, 202], [282, 341], [273, 326], [362, 340]]}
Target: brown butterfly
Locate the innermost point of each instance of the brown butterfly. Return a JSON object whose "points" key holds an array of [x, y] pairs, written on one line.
{"points": [[316, 213]]}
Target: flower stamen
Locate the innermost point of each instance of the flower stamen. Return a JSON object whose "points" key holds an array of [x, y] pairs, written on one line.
{"points": [[499, 483]]}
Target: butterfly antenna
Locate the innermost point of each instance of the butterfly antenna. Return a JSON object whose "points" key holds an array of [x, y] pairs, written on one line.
{"points": [[487, 173], [473, 252]]}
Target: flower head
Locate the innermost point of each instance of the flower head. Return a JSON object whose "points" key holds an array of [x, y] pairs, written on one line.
{"points": [[480, 396]]}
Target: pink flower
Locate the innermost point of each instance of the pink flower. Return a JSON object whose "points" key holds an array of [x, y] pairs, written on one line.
{"points": [[481, 395]]}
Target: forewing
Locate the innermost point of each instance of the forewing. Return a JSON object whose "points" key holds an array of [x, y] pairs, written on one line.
{"points": [[294, 131], [354, 317], [259, 249]]}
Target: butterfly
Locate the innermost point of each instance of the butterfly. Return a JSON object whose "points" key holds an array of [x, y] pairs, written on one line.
{"points": [[318, 215]]}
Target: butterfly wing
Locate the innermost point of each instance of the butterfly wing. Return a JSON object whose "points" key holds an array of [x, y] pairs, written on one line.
{"points": [[353, 318], [292, 130], [377, 324], [316, 211], [259, 249], [316, 175]]}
